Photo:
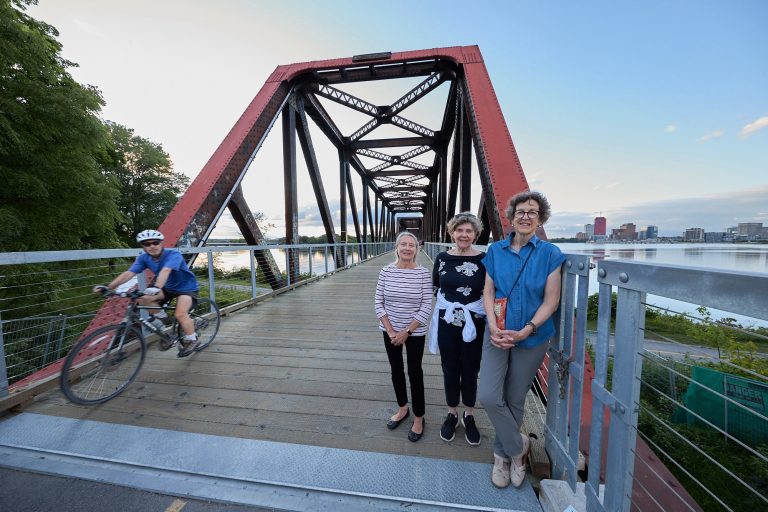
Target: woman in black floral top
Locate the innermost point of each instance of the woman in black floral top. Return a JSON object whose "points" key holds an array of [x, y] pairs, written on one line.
{"points": [[459, 276]]}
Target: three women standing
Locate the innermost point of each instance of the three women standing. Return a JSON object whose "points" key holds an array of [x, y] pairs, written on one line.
{"points": [[458, 322], [403, 303], [525, 271]]}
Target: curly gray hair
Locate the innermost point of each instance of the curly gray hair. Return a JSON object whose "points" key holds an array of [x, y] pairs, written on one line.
{"points": [[465, 218], [545, 210]]}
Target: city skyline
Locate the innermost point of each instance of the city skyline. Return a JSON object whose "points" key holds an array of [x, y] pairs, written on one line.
{"points": [[653, 113]]}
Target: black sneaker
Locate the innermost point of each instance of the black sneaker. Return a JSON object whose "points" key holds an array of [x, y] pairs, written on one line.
{"points": [[448, 430], [471, 434]]}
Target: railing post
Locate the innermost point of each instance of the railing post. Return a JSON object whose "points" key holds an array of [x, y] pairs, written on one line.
{"points": [[48, 339], [62, 335], [3, 368], [287, 266], [309, 253], [326, 258], [566, 371], [627, 367], [211, 285], [254, 294]]}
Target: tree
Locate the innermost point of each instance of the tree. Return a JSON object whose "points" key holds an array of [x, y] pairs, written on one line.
{"points": [[53, 195], [149, 188]]}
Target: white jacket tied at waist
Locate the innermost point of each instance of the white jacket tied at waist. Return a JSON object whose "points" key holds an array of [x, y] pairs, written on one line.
{"points": [[468, 333]]}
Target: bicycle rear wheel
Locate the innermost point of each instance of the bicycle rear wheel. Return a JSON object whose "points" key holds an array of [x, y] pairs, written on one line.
{"points": [[101, 365], [207, 320]]}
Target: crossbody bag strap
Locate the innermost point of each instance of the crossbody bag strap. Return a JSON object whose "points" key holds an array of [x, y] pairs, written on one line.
{"points": [[520, 273]]}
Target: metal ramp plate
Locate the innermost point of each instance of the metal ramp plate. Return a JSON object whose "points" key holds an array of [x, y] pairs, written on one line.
{"points": [[246, 471]]}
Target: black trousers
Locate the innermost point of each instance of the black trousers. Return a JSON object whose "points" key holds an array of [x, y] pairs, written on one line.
{"points": [[460, 361], [414, 347]]}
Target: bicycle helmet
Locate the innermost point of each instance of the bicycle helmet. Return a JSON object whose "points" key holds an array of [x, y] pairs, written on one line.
{"points": [[149, 234]]}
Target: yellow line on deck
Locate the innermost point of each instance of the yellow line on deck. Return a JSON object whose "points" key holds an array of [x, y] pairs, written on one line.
{"points": [[176, 506]]}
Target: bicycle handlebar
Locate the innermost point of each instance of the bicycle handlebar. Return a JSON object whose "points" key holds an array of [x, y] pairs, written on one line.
{"points": [[107, 293]]}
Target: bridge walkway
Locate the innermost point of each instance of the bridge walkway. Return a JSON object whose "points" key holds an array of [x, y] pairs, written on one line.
{"points": [[308, 368]]}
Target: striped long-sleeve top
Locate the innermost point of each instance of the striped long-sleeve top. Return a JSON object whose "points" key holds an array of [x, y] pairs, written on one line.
{"points": [[404, 294]]}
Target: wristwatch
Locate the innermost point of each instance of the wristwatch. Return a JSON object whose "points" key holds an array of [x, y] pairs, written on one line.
{"points": [[533, 327]]}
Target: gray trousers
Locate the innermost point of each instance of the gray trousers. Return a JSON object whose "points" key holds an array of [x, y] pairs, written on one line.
{"points": [[505, 378]]}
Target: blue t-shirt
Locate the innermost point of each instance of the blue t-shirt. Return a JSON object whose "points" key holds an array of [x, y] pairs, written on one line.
{"points": [[181, 278], [503, 265]]}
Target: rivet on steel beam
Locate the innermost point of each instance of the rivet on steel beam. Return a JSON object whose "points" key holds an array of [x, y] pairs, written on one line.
{"points": [[581, 265], [569, 263], [623, 277], [602, 273]]}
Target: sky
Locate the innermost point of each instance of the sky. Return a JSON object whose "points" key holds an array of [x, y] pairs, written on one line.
{"points": [[650, 112]]}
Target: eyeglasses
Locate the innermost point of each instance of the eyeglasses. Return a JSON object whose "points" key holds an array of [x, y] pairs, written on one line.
{"points": [[519, 214], [150, 242]]}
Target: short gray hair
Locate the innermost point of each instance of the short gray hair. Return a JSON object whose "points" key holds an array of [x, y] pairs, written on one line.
{"points": [[465, 218], [400, 236], [545, 210]]}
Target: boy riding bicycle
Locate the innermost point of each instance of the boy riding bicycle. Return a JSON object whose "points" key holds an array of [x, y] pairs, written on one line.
{"points": [[173, 279]]}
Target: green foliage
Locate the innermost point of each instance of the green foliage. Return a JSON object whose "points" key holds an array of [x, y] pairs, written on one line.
{"points": [[53, 195], [149, 188], [593, 302]]}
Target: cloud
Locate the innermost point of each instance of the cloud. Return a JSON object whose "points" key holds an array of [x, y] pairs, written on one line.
{"points": [[753, 127], [607, 186], [670, 128], [713, 135]]}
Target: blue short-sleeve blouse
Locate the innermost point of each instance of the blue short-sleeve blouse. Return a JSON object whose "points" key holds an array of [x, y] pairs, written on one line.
{"points": [[503, 265]]}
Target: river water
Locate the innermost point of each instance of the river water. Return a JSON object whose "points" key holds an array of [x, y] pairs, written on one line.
{"points": [[739, 257]]}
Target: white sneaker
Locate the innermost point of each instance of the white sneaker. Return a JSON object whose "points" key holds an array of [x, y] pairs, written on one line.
{"points": [[517, 471], [500, 472]]}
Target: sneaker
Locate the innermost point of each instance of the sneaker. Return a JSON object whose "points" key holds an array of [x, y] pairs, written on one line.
{"points": [[500, 472], [165, 342], [187, 346], [471, 434], [517, 472], [448, 430]]}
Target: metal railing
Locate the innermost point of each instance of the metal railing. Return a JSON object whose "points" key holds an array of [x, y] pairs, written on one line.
{"points": [[656, 419], [46, 301]]}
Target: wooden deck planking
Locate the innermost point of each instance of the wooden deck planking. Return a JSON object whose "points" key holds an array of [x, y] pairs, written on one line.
{"points": [[307, 366]]}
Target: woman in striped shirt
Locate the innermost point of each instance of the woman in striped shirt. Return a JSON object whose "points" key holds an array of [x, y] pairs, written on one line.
{"points": [[403, 304]]}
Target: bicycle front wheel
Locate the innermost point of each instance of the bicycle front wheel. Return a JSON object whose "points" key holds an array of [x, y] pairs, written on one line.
{"points": [[101, 365], [207, 319]]}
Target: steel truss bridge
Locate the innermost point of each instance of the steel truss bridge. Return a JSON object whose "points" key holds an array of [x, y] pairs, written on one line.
{"points": [[400, 182]]}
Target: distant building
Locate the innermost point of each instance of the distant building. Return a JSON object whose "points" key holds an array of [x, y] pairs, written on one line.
{"points": [[764, 236], [629, 231], [589, 230], [600, 224], [581, 236], [732, 231], [694, 235], [714, 237], [750, 230], [648, 233]]}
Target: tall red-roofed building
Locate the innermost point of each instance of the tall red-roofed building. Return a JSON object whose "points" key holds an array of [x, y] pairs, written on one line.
{"points": [[600, 223]]}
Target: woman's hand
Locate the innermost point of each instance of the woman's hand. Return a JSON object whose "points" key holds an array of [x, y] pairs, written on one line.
{"points": [[506, 339], [398, 338]]}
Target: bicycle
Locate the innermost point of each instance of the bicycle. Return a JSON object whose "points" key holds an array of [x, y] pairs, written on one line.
{"points": [[100, 366]]}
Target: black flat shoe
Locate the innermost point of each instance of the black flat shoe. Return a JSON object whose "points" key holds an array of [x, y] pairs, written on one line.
{"points": [[413, 436], [393, 424]]}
